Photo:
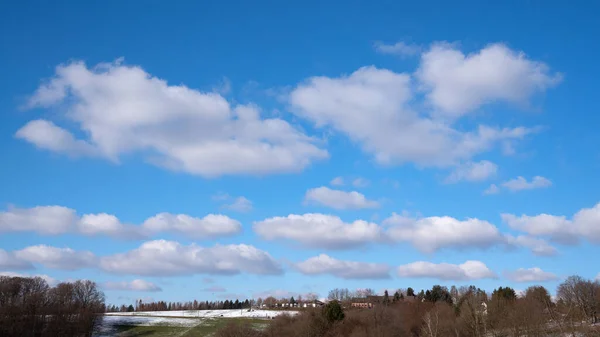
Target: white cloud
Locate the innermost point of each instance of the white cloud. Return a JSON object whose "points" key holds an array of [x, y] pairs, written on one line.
{"points": [[135, 285], [8, 261], [211, 226], [324, 264], [373, 108], [360, 182], [457, 83], [50, 280], [399, 48], [584, 224], [520, 183], [473, 171], [318, 230], [338, 199], [168, 258], [598, 277], [470, 270], [240, 204], [530, 275], [57, 258], [493, 189], [537, 246], [337, 181], [49, 220], [57, 220], [122, 109], [449, 232], [107, 224]]}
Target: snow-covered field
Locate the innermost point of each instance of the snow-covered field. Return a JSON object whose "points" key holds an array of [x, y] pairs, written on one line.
{"points": [[208, 313], [149, 321]]}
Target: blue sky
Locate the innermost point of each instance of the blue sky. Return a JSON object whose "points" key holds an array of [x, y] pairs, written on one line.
{"points": [[166, 150]]}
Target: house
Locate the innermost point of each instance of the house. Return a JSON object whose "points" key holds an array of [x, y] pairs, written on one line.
{"points": [[312, 304]]}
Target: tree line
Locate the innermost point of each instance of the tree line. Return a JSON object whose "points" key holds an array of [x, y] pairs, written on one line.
{"points": [[178, 306], [30, 307], [466, 311]]}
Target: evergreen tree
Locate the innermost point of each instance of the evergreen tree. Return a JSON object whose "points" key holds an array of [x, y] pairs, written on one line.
{"points": [[292, 300], [333, 311], [410, 292], [130, 308], [386, 298], [396, 296]]}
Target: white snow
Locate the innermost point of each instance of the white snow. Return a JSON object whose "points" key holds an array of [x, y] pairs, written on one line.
{"points": [[149, 321], [258, 313]]}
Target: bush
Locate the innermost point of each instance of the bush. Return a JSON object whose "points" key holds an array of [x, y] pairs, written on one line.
{"points": [[333, 311]]}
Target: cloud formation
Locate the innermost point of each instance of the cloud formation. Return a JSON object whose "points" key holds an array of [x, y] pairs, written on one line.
{"points": [[530, 275], [324, 264], [122, 109], [520, 183], [318, 231], [473, 171], [456, 84], [8, 261], [338, 199], [54, 220], [169, 258], [399, 48], [449, 232], [57, 258], [470, 270], [372, 106], [583, 225], [135, 285]]}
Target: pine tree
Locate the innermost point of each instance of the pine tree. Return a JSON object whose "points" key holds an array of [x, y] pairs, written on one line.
{"points": [[396, 296], [410, 292], [386, 298]]}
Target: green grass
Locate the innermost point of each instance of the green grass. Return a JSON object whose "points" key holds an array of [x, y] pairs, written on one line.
{"points": [[149, 331], [210, 326], [207, 327]]}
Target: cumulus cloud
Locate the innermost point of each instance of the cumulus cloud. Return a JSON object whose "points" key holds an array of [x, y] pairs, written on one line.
{"points": [[324, 264], [122, 109], [520, 183], [449, 232], [530, 275], [584, 224], [537, 246], [167, 258], [470, 270], [456, 83], [337, 181], [318, 230], [48, 220], [135, 285], [8, 261], [57, 258], [50, 280], [211, 226], [473, 171], [53, 220], [372, 107], [399, 48], [338, 199]]}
